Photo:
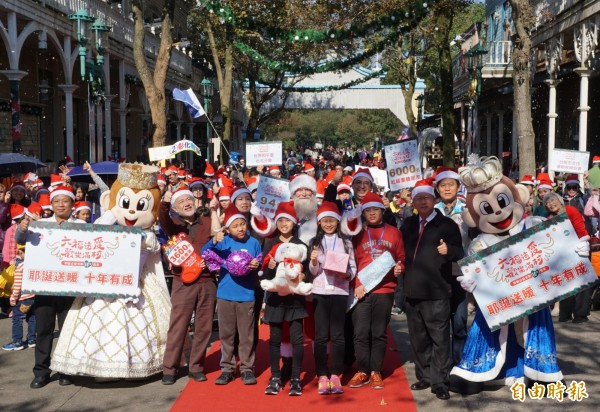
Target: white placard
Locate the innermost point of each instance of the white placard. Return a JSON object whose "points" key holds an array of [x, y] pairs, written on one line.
{"points": [[403, 166], [73, 259], [169, 152], [569, 161], [264, 154], [270, 192]]}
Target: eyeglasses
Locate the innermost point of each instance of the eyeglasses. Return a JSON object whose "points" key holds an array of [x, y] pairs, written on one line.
{"points": [[572, 187]]}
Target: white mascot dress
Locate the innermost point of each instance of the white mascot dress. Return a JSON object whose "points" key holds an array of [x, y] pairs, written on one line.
{"points": [[496, 206], [122, 338]]}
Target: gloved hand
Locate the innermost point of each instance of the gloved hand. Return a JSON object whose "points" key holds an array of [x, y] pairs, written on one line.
{"points": [[355, 213], [257, 213], [467, 283], [582, 248]]}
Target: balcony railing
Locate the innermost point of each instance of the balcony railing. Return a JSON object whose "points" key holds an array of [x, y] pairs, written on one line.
{"points": [[499, 53]]}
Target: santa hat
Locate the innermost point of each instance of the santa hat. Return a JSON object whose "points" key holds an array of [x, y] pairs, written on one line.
{"points": [[225, 193], [79, 206], [527, 180], [596, 159], [446, 173], [303, 182], [572, 180], [372, 200], [55, 180], [543, 177], [328, 209], [17, 185], [423, 186], [239, 191], [44, 201], [161, 180], [545, 184], [69, 161], [34, 208], [286, 210], [16, 211], [342, 186], [62, 191], [171, 170], [348, 169], [321, 187], [30, 177], [268, 257], [184, 191], [209, 171], [274, 169], [222, 171], [232, 213], [181, 174], [224, 181], [308, 168], [196, 181], [252, 183], [363, 172], [38, 183]]}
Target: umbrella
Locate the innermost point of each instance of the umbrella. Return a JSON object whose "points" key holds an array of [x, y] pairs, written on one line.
{"points": [[102, 169], [13, 163]]}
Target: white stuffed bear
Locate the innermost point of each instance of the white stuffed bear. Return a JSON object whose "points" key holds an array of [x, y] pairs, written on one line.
{"points": [[289, 275]]}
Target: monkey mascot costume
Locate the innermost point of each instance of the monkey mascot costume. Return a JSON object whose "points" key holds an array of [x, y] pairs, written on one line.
{"points": [[496, 206], [122, 338]]}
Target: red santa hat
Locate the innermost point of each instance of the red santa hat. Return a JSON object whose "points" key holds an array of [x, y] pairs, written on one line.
{"points": [[572, 180], [343, 186], [55, 180], [184, 191], [30, 177], [308, 168], [328, 209], [239, 191], [171, 170], [62, 191], [363, 172], [527, 180], [69, 161], [372, 200], [224, 181], [181, 174], [596, 159], [79, 206], [252, 183], [286, 210], [196, 181], [274, 169], [543, 177], [17, 185], [34, 208], [222, 171], [545, 184], [44, 201], [209, 171], [17, 211], [446, 173], [423, 186], [303, 182], [38, 183], [160, 180], [225, 193], [232, 213]]}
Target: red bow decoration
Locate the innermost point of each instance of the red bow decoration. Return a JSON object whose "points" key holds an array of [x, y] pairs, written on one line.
{"points": [[290, 261]]}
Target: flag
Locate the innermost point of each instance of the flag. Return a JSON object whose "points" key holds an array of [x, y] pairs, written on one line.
{"points": [[188, 97], [404, 135]]}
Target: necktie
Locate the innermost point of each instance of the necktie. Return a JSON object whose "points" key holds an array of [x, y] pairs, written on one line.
{"points": [[421, 229]]}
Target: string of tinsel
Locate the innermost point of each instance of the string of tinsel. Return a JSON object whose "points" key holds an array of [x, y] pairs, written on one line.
{"points": [[302, 89]]}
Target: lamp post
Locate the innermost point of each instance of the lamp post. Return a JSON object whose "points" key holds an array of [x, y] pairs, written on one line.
{"points": [[420, 104], [207, 92], [475, 63], [82, 18]]}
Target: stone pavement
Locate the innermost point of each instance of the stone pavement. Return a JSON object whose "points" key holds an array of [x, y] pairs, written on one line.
{"points": [[578, 351]]}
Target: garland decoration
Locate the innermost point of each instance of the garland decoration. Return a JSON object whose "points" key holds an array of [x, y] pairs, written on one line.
{"points": [[305, 89]]}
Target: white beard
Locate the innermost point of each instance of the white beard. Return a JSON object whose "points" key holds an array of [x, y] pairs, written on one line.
{"points": [[306, 208]]}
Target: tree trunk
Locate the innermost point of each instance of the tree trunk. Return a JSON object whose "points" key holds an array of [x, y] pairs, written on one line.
{"points": [[154, 83], [444, 24], [522, 14]]}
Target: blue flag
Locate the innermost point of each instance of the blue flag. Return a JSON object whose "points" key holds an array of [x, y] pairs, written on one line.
{"points": [[188, 97]]}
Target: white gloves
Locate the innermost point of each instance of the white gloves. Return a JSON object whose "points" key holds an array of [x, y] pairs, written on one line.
{"points": [[257, 213], [467, 283], [354, 213], [583, 247]]}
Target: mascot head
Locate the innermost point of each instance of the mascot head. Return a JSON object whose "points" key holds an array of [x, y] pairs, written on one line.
{"points": [[134, 197], [495, 204]]}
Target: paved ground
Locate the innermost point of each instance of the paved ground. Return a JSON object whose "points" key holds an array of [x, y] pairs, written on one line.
{"points": [[578, 349]]}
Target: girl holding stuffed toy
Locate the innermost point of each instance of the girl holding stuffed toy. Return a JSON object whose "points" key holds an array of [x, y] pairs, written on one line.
{"points": [[333, 265], [282, 310]]}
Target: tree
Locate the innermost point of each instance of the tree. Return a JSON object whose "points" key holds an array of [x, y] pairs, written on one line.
{"points": [[524, 21], [154, 82]]}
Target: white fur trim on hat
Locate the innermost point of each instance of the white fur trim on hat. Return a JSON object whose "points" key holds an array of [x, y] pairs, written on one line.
{"points": [[363, 174], [329, 213], [446, 174], [237, 192], [58, 192], [231, 218], [343, 186], [179, 193], [347, 223], [303, 181], [373, 204], [287, 216], [423, 189], [265, 228], [545, 186]]}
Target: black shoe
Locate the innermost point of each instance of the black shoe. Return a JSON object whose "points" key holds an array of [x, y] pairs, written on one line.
{"points": [[274, 386], [168, 379], [295, 387], [39, 382], [64, 380], [419, 386], [224, 379], [580, 320], [286, 369], [442, 393], [198, 376], [248, 378]]}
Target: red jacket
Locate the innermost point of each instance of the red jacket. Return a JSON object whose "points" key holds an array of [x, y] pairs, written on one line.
{"points": [[577, 221]]}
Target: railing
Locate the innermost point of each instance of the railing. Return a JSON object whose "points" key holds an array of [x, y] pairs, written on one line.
{"points": [[499, 52]]}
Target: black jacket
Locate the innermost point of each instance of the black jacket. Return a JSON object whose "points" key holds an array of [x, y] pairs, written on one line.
{"points": [[429, 276]]}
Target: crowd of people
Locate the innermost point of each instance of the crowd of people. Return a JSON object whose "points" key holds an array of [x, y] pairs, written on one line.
{"points": [[367, 253]]}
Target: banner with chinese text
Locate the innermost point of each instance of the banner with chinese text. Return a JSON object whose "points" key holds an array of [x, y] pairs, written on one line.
{"points": [[264, 154], [403, 167], [569, 161], [528, 271], [169, 152], [75, 259], [270, 192]]}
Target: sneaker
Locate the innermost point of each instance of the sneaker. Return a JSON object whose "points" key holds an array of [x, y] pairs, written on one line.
{"points": [[396, 311], [376, 380], [324, 388], [295, 387], [335, 385], [359, 379], [248, 378], [224, 379], [31, 343], [14, 346], [168, 379], [274, 386]]}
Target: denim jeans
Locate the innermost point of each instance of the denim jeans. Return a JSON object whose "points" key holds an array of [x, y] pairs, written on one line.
{"points": [[17, 321]]}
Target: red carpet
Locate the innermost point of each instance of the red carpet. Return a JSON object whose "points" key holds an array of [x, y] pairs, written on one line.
{"points": [[238, 397]]}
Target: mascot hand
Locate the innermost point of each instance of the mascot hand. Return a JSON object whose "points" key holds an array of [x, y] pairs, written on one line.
{"points": [[257, 213], [468, 284], [583, 247], [355, 213]]}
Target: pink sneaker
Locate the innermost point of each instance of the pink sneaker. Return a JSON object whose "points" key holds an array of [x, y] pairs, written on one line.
{"points": [[335, 385], [324, 385]]}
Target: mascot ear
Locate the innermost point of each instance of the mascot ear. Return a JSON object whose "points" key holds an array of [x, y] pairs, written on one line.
{"points": [[523, 194], [105, 200], [468, 218], [304, 252]]}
